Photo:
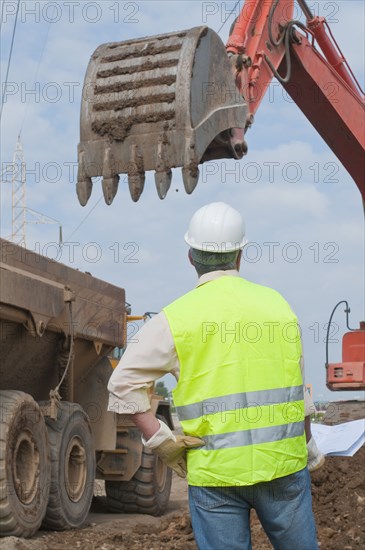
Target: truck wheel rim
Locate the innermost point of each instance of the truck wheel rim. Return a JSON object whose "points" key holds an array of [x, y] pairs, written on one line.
{"points": [[76, 469], [26, 467]]}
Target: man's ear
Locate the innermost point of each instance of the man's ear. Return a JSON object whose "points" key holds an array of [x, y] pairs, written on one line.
{"points": [[238, 261]]}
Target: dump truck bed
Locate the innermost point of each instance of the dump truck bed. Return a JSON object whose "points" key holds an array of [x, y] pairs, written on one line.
{"points": [[41, 303]]}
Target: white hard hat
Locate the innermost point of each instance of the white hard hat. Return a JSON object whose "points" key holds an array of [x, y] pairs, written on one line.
{"points": [[216, 227]]}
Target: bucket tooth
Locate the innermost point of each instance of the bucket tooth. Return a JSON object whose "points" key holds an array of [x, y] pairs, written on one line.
{"points": [[110, 188], [83, 190], [136, 173], [190, 178], [136, 185], [110, 176], [84, 183], [163, 174], [163, 183]]}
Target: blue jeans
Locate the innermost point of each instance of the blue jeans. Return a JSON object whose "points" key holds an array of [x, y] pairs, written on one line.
{"points": [[221, 515]]}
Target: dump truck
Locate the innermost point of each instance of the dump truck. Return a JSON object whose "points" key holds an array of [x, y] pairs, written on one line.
{"points": [[58, 326]]}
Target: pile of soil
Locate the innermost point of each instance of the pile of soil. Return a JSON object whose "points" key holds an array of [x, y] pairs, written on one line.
{"points": [[338, 491]]}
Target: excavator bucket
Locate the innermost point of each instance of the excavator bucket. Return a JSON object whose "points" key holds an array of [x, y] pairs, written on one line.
{"points": [[154, 104]]}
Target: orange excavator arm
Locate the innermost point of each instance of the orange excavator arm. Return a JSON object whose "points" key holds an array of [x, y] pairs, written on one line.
{"points": [[266, 42]]}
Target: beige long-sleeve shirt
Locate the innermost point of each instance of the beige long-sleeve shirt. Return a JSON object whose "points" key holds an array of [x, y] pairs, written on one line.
{"points": [[151, 355]]}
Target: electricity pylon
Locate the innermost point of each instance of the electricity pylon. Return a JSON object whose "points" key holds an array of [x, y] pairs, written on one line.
{"points": [[21, 215]]}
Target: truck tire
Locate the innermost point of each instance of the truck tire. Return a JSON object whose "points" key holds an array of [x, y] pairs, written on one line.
{"points": [[72, 468], [25, 467], [147, 492]]}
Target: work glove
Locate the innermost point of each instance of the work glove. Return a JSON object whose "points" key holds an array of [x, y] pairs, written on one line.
{"points": [[171, 449], [315, 458]]}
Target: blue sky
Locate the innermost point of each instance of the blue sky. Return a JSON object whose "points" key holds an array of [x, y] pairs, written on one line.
{"points": [[304, 221]]}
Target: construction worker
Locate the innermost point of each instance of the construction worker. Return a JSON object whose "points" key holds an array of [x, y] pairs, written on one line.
{"points": [[235, 348]]}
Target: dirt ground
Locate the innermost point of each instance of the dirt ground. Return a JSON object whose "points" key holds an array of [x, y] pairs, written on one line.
{"points": [[338, 500]]}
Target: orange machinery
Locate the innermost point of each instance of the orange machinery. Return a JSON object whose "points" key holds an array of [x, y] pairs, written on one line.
{"points": [[350, 373]]}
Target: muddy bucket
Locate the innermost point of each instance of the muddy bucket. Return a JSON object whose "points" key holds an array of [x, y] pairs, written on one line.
{"points": [[154, 104]]}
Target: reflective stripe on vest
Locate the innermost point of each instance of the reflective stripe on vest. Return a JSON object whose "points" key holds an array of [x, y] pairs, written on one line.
{"points": [[239, 400], [252, 436], [238, 390]]}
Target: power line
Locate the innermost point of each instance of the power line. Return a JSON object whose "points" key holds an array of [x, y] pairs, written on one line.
{"points": [[228, 16], [10, 54], [84, 219], [2, 13]]}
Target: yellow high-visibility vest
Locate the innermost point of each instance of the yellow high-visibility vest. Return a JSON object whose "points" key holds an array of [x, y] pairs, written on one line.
{"points": [[240, 386]]}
